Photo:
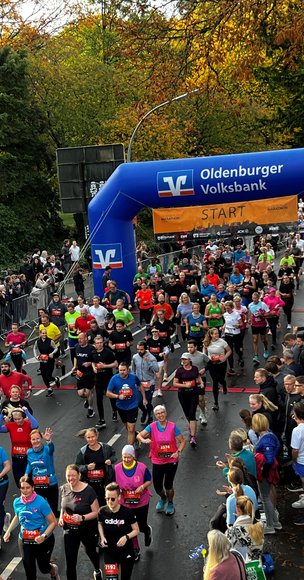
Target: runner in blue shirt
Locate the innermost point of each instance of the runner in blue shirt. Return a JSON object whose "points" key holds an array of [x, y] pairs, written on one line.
{"points": [[123, 388]]}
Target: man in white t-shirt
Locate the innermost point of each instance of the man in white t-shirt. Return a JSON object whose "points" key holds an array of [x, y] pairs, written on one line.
{"points": [[297, 445], [99, 312], [74, 251], [232, 335]]}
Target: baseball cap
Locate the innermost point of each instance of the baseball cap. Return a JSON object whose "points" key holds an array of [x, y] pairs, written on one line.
{"points": [[186, 355]]}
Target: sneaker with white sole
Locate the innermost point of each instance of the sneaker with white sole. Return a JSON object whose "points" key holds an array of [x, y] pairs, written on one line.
{"points": [[268, 530], [165, 378], [203, 418], [7, 521], [160, 506], [298, 504], [159, 393], [97, 575], [278, 526], [55, 572]]}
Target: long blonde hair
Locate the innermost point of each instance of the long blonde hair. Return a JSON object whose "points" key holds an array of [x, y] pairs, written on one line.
{"points": [[219, 550], [245, 508], [267, 404]]}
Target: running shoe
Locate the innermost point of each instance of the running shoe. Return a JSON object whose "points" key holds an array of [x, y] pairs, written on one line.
{"points": [[215, 407], [165, 377], [114, 416], [55, 572], [97, 575], [256, 360], [225, 389], [170, 509], [265, 354], [295, 487], [90, 413], [203, 418], [86, 404], [299, 521], [143, 418], [148, 536], [298, 504], [57, 382], [155, 394], [159, 393], [288, 326], [231, 373], [278, 526], [160, 506], [274, 346], [268, 531], [50, 392], [193, 442], [101, 424], [241, 363], [136, 554], [7, 521]]}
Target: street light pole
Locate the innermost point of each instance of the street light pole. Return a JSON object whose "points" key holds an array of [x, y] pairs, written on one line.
{"points": [[178, 98]]}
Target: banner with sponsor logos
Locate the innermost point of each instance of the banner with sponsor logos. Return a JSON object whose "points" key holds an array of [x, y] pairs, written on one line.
{"points": [[245, 218]]}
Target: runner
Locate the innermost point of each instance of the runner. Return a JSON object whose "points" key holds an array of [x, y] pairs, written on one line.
{"points": [[84, 372], [162, 436], [218, 351], [201, 361], [196, 325], [117, 527], [120, 341], [95, 461], [70, 317], [188, 381], [37, 523], [5, 468], [40, 467], [165, 329], [160, 351], [145, 366], [124, 314], [44, 351], [78, 518], [15, 401], [16, 341], [214, 313], [232, 335], [123, 388], [134, 480], [19, 427], [257, 314], [103, 363], [98, 312], [82, 323], [144, 298], [57, 310]]}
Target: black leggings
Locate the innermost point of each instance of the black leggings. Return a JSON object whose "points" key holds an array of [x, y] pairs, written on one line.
{"points": [[217, 372], [145, 314], [86, 535], [51, 495], [272, 322], [100, 391], [46, 369], [40, 553], [163, 476], [125, 564], [189, 402], [18, 468], [235, 342], [18, 362], [142, 517], [287, 309], [3, 492]]}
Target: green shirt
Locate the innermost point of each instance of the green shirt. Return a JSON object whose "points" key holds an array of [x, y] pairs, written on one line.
{"points": [[70, 320], [124, 315]]}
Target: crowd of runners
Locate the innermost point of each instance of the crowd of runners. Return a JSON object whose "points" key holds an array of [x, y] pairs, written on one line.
{"points": [[207, 306]]}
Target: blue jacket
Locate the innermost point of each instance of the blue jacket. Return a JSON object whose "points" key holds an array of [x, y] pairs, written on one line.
{"points": [[269, 446]]}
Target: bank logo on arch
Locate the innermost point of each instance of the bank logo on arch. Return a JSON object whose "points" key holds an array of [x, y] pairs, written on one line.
{"points": [[107, 255], [175, 183]]}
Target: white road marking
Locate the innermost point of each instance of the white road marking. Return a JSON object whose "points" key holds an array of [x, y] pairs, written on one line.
{"points": [[38, 392], [10, 568], [138, 331], [170, 377], [114, 439]]}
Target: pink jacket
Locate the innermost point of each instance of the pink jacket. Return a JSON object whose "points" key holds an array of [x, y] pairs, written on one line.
{"points": [[274, 303]]}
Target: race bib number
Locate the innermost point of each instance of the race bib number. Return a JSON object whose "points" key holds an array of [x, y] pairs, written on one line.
{"points": [[68, 520], [165, 449], [195, 328], [79, 374], [154, 349], [56, 312], [28, 536], [120, 346], [130, 497], [174, 299], [16, 350], [215, 357], [111, 571], [99, 366], [127, 392], [41, 481], [44, 357], [19, 452], [146, 384], [96, 475], [189, 384], [71, 327], [163, 335]]}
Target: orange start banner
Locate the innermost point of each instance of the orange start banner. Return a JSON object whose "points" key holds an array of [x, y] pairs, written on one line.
{"points": [[275, 215]]}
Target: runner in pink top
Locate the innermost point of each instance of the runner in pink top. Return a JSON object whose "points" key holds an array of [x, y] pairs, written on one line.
{"points": [[166, 444]]}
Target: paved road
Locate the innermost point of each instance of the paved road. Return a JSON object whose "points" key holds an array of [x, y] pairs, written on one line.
{"points": [[196, 482]]}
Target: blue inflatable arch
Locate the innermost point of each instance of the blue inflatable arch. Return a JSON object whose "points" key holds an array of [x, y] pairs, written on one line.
{"points": [[179, 183]]}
